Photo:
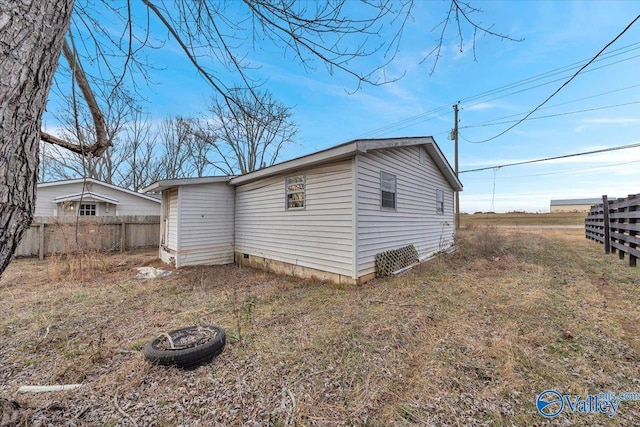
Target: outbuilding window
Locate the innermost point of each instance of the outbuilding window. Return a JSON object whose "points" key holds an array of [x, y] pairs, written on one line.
{"points": [[295, 192], [387, 191], [440, 202], [87, 209]]}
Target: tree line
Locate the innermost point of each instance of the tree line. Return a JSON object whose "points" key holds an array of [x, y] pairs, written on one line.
{"points": [[228, 139]]}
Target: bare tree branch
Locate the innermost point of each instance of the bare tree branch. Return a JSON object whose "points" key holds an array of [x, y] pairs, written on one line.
{"points": [[102, 142], [459, 8], [223, 91], [247, 137]]}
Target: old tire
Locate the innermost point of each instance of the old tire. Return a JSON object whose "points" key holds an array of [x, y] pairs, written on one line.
{"points": [[194, 346]]}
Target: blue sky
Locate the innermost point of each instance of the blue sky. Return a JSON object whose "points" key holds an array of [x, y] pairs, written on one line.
{"points": [[558, 38]]}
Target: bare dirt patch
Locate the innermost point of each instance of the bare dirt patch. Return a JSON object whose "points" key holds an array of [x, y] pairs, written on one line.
{"points": [[466, 339]]}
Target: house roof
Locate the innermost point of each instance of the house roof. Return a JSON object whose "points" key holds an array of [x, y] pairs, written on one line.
{"points": [[87, 196], [350, 149], [566, 202], [168, 183], [338, 152], [95, 181]]}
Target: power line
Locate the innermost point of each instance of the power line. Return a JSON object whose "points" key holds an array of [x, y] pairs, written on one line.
{"points": [[563, 85], [409, 120], [584, 153], [556, 71], [495, 121], [608, 165], [566, 113], [551, 81]]}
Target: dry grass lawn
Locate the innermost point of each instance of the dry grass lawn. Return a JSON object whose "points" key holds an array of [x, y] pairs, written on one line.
{"points": [[466, 339], [524, 219]]}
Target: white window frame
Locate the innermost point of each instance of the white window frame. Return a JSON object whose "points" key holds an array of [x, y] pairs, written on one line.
{"points": [[88, 209], [388, 184], [166, 204], [440, 202], [290, 191]]}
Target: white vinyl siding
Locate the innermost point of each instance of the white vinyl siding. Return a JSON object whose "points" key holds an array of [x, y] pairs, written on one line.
{"points": [[319, 236], [128, 202], [415, 220], [206, 224]]}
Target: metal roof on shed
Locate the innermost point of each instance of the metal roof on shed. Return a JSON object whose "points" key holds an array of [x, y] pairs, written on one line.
{"points": [[564, 202]]}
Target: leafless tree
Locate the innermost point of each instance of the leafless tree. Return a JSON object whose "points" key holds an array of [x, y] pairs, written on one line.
{"points": [[199, 152], [141, 165], [139, 155], [32, 37], [249, 135], [176, 136], [76, 127]]}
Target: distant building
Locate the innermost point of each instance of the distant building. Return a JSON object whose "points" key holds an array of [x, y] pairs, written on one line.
{"points": [[573, 205], [90, 197]]}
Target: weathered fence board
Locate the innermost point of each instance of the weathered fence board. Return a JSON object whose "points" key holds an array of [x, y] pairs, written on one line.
{"points": [[615, 224], [50, 235]]}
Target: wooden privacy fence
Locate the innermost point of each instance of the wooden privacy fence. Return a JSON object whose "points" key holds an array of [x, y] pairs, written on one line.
{"points": [[614, 223], [52, 235]]}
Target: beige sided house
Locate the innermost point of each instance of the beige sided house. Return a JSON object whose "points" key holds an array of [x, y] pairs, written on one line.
{"points": [[326, 214], [90, 197]]}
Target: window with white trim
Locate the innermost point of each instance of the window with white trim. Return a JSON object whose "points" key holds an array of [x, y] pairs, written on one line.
{"points": [[388, 187], [87, 209], [440, 202], [295, 192]]}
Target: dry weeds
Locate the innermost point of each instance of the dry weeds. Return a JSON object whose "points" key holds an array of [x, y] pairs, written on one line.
{"points": [[524, 219], [466, 339]]}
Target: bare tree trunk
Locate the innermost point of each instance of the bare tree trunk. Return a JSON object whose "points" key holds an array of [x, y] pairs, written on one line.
{"points": [[31, 37]]}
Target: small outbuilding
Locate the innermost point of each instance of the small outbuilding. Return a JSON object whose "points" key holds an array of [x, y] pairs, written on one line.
{"points": [[324, 215], [197, 222]]}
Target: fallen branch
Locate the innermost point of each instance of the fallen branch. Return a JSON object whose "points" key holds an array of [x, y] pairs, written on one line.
{"points": [[81, 412], [47, 388], [122, 412], [291, 414], [394, 303], [46, 333]]}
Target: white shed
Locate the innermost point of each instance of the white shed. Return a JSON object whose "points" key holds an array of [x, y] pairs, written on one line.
{"points": [[197, 220], [329, 213]]}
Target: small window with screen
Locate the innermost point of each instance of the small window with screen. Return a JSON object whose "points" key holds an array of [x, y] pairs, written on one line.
{"points": [[387, 191], [440, 202], [295, 192]]}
